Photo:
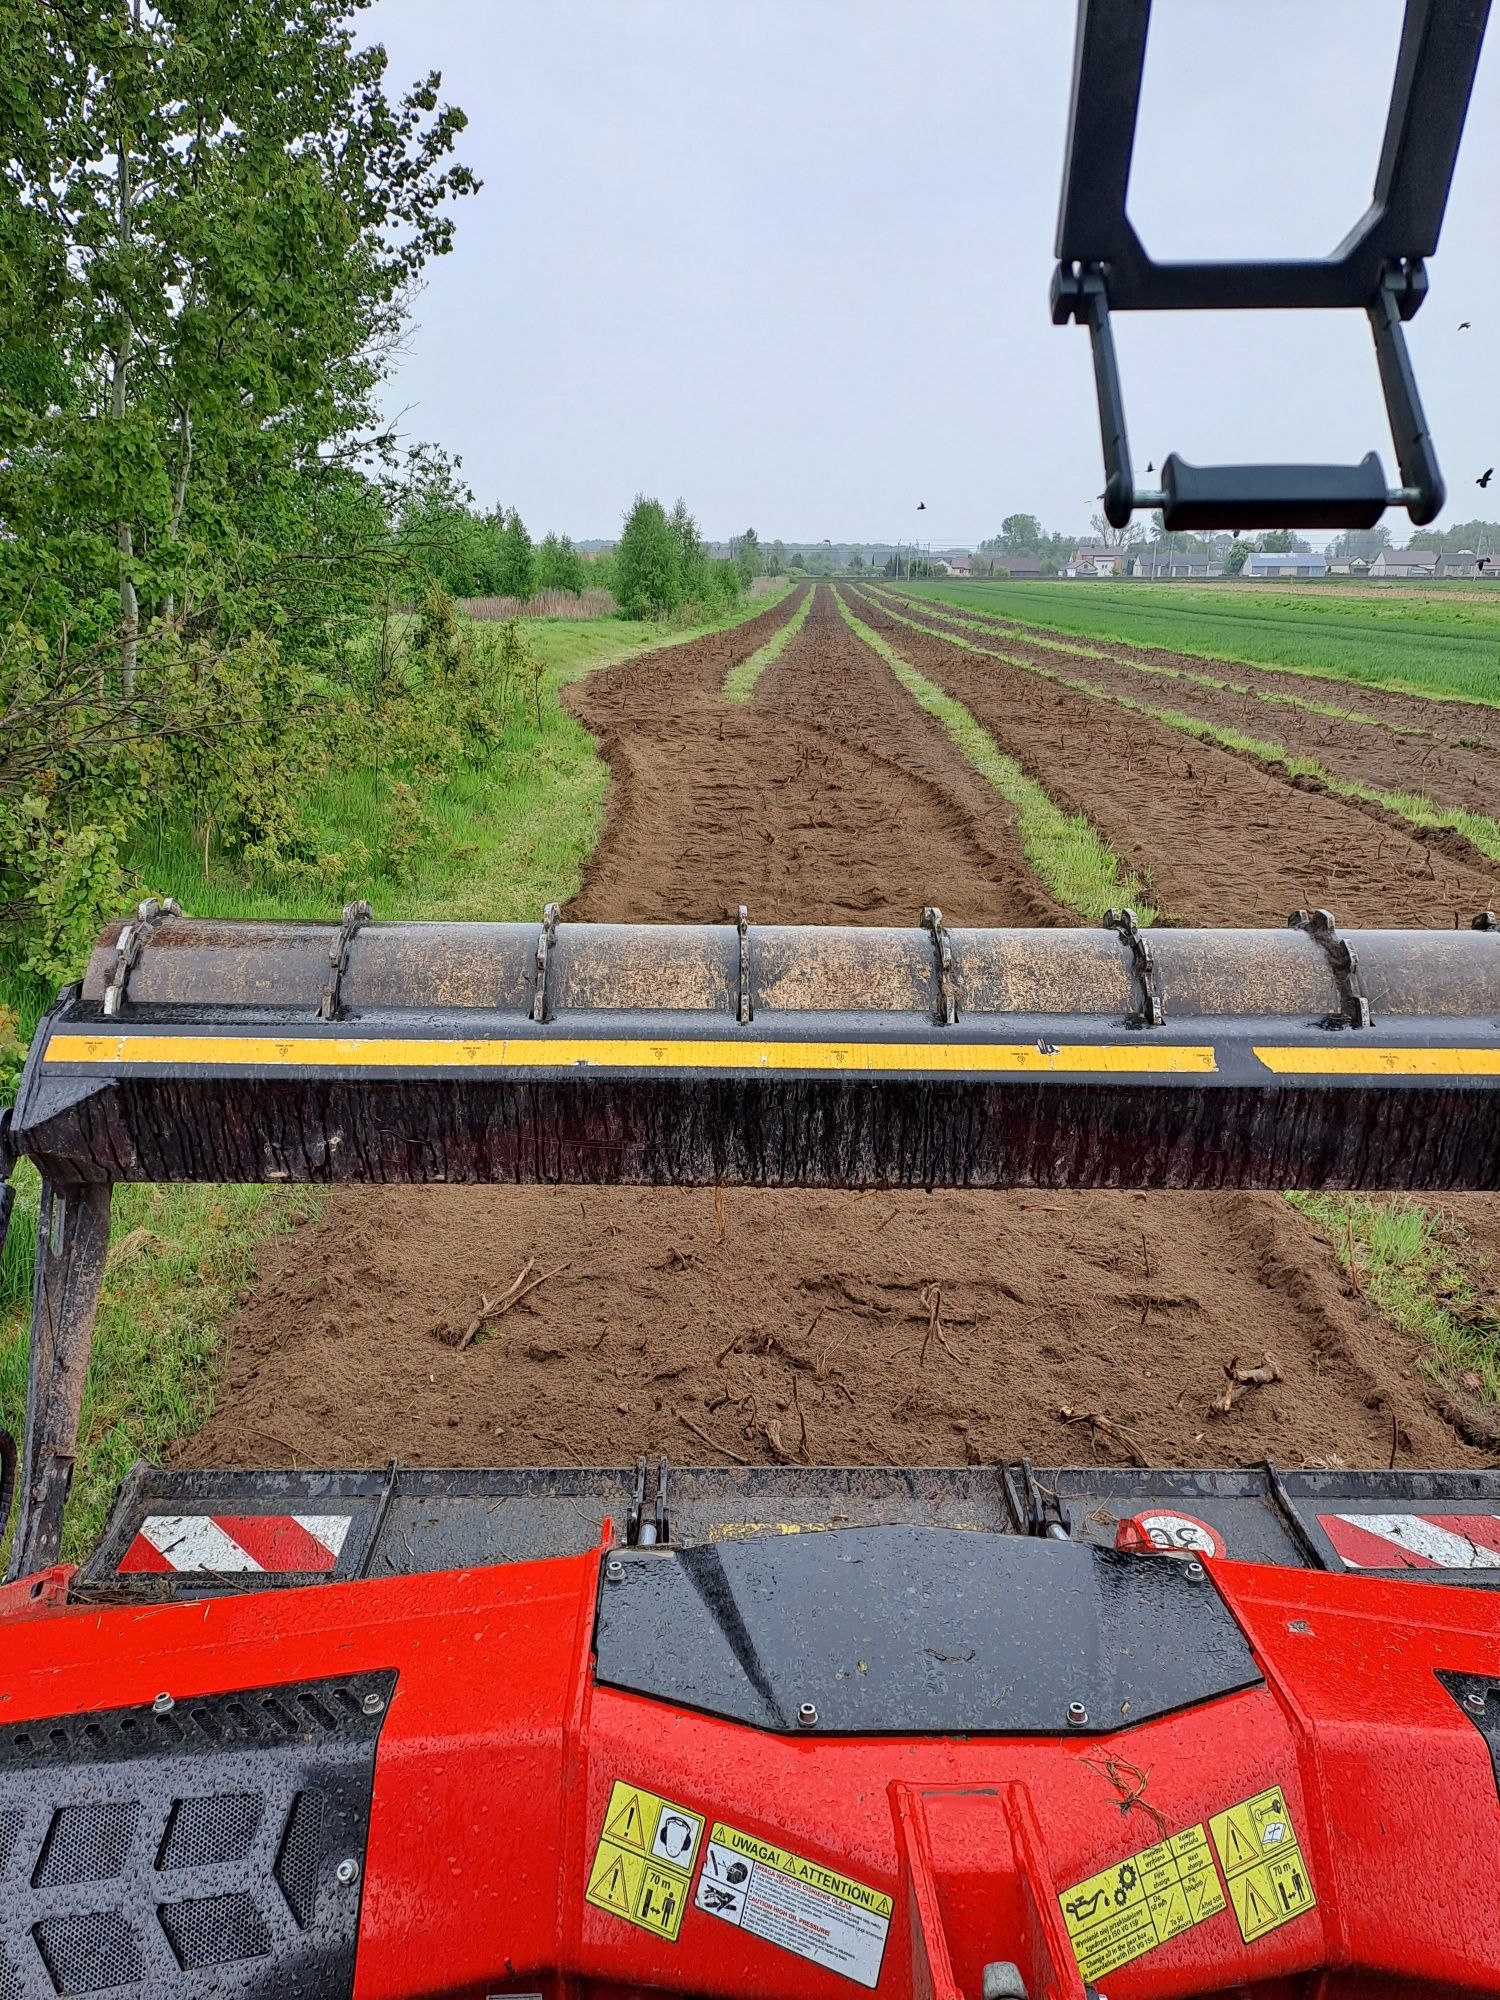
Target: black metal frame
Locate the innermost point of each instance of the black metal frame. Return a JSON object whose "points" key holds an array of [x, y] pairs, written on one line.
{"points": [[1103, 266]]}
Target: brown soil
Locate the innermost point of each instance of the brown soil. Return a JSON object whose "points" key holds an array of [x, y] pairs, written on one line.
{"points": [[836, 1328], [1392, 756], [1219, 839]]}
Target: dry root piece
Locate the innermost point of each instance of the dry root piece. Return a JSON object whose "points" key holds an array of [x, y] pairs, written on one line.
{"points": [[1244, 1375], [520, 1286], [1111, 1432]]}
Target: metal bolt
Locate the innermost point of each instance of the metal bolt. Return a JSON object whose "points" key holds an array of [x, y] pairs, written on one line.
{"points": [[1078, 1715], [614, 1570], [163, 1705], [373, 1703], [807, 1715], [1475, 1702], [1194, 1571], [347, 1871]]}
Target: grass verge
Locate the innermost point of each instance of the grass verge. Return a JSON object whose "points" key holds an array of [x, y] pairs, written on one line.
{"points": [[496, 842], [1066, 852], [1409, 1261], [739, 683]]}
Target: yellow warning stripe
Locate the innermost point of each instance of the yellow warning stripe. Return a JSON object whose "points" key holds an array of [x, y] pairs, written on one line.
{"points": [[349, 1052], [1355, 1059]]}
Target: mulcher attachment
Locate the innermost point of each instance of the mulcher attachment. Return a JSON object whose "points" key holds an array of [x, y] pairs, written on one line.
{"points": [[695, 1055]]}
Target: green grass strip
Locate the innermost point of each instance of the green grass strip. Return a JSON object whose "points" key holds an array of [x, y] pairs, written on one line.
{"points": [[1482, 832], [1066, 852], [1408, 1262], [739, 684]]}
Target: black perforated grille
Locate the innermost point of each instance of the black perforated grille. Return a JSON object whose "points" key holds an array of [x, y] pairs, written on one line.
{"points": [[87, 1953], [205, 1833], [214, 1930], [175, 1851], [86, 1843], [297, 1863], [10, 1826]]}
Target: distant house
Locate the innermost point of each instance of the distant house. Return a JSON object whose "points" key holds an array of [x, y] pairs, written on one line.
{"points": [[1014, 566], [1286, 563], [1460, 562], [1404, 563], [1092, 559], [960, 566], [1151, 564]]}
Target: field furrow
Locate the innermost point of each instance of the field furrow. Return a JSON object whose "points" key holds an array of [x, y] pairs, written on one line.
{"points": [[798, 1327], [1382, 756], [1220, 838]]}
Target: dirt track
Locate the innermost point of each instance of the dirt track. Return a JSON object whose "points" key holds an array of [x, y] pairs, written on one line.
{"points": [[792, 1326]]}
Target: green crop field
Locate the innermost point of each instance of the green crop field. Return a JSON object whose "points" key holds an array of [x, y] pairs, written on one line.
{"points": [[1433, 643]]}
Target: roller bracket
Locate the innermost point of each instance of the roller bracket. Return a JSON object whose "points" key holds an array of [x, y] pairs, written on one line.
{"points": [[128, 949], [331, 1006], [546, 939], [1354, 1007], [1152, 1012], [942, 951], [742, 925]]}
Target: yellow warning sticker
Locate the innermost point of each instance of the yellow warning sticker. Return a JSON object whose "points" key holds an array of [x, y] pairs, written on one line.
{"points": [[1141, 1902], [1268, 1879], [643, 1863]]}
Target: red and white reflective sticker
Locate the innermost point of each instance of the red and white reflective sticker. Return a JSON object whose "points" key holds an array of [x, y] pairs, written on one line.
{"points": [[278, 1544], [1414, 1541], [1180, 1533]]}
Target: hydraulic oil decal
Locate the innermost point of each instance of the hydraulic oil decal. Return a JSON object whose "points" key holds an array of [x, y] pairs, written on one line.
{"points": [[1142, 1901], [799, 1904], [643, 1865], [1263, 1865]]}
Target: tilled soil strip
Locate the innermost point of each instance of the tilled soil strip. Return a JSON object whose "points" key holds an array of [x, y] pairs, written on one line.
{"points": [[1221, 839], [879, 1328], [1448, 716], [1465, 779]]}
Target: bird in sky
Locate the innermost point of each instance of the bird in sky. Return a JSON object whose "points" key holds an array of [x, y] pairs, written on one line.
{"points": [[1463, 326], [1151, 465], [921, 506], [1485, 477]]}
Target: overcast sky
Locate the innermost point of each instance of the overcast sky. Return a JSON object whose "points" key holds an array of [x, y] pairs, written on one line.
{"points": [[790, 260]]}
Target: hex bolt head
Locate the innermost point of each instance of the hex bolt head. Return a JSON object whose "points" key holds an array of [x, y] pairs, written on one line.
{"points": [[614, 1570], [807, 1715], [373, 1703], [1078, 1715], [163, 1705], [347, 1871]]}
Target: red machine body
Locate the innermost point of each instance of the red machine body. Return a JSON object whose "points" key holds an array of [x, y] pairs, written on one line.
{"points": [[500, 1758]]}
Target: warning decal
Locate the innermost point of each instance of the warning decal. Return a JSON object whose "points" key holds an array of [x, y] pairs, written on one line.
{"points": [[643, 1865], [1263, 1865], [799, 1904], [1180, 1533], [1141, 1902]]}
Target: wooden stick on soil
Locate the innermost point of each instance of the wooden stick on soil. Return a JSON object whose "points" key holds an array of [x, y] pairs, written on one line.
{"points": [[704, 1438]]}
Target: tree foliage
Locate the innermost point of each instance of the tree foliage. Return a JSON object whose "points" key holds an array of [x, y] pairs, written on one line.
{"points": [[211, 221]]}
